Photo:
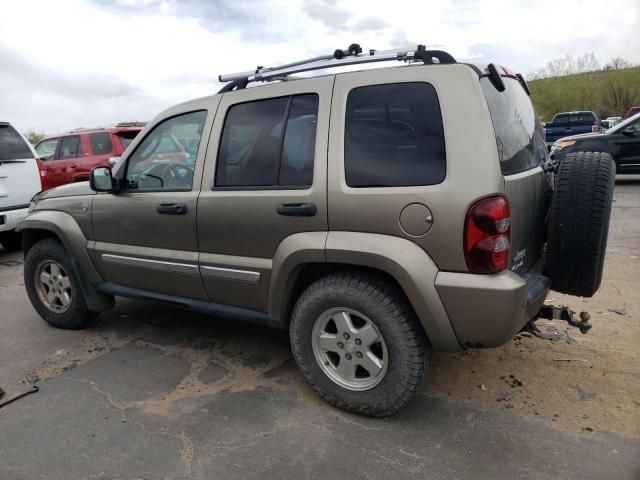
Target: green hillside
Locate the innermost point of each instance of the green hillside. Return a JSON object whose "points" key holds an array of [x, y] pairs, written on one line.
{"points": [[607, 92]]}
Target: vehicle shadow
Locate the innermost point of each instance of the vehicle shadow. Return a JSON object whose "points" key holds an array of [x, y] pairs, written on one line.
{"points": [[627, 179]]}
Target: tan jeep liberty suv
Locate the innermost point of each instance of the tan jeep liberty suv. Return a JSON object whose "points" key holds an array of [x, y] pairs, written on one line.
{"points": [[378, 215]]}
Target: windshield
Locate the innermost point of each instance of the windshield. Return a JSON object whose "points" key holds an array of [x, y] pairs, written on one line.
{"points": [[622, 125]]}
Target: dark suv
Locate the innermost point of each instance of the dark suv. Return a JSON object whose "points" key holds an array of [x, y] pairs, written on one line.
{"points": [[70, 157]]}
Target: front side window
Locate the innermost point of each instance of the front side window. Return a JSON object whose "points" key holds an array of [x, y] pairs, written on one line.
{"points": [[394, 136], [161, 161], [46, 149], [70, 148], [269, 143], [100, 143]]}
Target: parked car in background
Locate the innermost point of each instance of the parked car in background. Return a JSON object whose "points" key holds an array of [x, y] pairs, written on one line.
{"points": [[571, 123], [19, 182], [631, 112], [622, 142], [610, 122], [70, 157]]}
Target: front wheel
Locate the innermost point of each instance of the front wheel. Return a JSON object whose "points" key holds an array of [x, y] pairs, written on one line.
{"points": [[357, 340], [53, 287]]}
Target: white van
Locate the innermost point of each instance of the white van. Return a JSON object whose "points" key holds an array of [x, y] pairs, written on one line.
{"points": [[19, 182]]}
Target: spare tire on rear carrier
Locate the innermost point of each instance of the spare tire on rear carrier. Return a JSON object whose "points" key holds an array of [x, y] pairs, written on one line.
{"points": [[579, 222]]}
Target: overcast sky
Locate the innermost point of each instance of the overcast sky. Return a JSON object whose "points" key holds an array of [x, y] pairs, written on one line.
{"points": [[73, 63]]}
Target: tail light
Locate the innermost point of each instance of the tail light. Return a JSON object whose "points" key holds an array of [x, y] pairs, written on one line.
{"points": [[594, 128], [43, 174], [487, 234]]}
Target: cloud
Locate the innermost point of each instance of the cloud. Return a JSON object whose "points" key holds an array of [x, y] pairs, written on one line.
{"points": [[337, 18], [91, 62]]}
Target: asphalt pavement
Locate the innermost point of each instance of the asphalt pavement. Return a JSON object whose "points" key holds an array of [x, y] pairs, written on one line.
{"points": [[151, 392]]}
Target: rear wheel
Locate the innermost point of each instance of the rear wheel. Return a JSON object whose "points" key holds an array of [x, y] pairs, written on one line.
{"points": [[53, 287], [11, 241], [579, 222], [356, 339]]}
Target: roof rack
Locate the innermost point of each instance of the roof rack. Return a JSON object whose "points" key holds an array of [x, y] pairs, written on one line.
{"points": [[351, 56], [130, 124]]}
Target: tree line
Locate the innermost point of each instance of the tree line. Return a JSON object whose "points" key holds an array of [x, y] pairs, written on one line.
{"points": [[580, 83]]}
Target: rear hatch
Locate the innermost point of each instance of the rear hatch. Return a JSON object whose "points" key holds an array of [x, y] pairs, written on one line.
{"points": [[19, 173], [522, 151]]}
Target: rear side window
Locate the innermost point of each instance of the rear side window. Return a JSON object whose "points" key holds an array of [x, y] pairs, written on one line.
{"points": [[519, 135], [394, 136], [100, 143], [12, 145], [269, 143], [70, 148]]}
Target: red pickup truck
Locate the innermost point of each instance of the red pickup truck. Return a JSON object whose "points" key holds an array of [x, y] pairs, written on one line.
{"points": [[69, 157]]}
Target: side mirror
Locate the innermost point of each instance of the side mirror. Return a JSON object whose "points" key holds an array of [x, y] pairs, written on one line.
{"points": [[629, 131], [101, 180]]}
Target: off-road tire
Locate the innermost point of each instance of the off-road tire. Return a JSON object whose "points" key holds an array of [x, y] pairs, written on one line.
{"points": [[385, 305], [11, 241], [77, 316], [579, 222]]}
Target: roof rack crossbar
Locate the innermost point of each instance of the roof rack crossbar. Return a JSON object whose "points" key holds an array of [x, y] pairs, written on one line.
{"points": [[352, 56]]}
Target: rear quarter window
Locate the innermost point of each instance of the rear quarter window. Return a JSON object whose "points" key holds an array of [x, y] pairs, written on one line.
{"points": [[12, 145], [394, 136], [519, 135]]}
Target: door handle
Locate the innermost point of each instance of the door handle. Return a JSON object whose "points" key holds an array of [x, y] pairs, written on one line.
{"points": [[172, 208], [74, 165], [297, 209]]}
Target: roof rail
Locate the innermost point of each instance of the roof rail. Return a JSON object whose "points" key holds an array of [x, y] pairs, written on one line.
{"points": [[351, 56]]}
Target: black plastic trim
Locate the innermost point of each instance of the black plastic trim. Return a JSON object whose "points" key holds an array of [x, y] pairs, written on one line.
{"points": [[537, 288], [236, 85], [523, 82], [14, 207], [203, 306], [495, 78]]}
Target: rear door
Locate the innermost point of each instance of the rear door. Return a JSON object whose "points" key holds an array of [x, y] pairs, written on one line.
{"points": [[521, 150], [265, 180], [19, 174]]}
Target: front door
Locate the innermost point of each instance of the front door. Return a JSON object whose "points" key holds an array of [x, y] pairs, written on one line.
{"points": [[60, 169], [145, 235], [628, 148], [264, 181]]}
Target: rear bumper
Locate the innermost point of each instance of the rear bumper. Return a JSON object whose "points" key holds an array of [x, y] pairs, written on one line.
{"points": [[10, 218], [488, 310]]}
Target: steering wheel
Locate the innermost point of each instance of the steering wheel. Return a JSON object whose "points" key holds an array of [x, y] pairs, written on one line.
{"points": [[176, 175]]}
